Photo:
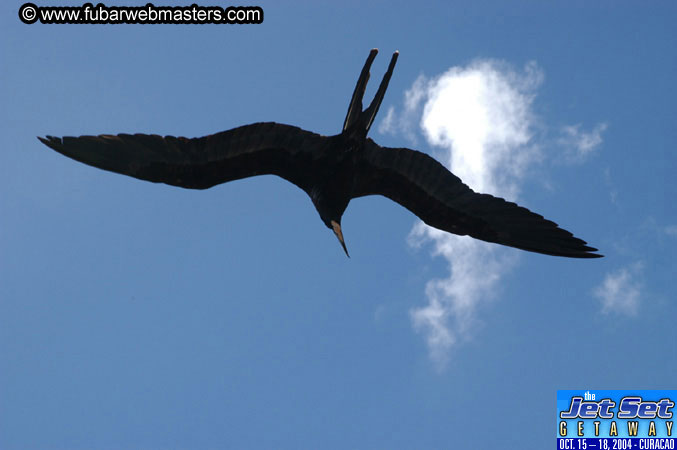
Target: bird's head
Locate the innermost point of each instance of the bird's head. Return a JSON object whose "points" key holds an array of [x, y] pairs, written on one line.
{"points": [[331, 208]]}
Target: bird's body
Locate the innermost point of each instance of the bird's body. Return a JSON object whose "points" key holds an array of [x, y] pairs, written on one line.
{"points": [[332, 170]]}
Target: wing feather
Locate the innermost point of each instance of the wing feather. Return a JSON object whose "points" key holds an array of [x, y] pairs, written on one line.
{"points": [[200, 163], [439, 198]]}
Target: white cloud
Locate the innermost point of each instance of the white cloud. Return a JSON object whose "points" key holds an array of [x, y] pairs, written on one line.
{"points": [[620, 291], [579, 145], [480, 115]]}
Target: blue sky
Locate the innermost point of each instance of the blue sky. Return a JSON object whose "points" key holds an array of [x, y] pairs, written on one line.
{"points": [[135, 315]]}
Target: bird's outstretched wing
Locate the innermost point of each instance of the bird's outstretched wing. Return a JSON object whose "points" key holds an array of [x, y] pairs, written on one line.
{"points": [[439, 198], [200, 163]]}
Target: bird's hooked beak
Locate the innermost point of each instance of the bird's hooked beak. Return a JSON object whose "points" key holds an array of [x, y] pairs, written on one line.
{"points": [[339, 234]]}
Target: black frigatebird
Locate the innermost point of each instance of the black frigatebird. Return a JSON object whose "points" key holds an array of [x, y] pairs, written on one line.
{"points": [[332, 170]]}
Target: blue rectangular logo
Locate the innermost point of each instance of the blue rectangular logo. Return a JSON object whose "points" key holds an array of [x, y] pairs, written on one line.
{"points": [[615, 419]]}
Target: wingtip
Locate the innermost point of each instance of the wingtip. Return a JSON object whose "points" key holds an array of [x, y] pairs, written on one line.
{"points": [[590, 252], [49, 141], [587, 252]]}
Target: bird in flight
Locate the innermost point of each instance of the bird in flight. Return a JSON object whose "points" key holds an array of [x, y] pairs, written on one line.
{"points": [[332, 170]]}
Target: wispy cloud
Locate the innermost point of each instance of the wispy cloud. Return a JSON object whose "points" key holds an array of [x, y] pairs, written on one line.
{"points": [[620, 291], [405, 123], [475, 269], [611, 185], [578, 144], [388, 125], [480, 116], [671, 230]]}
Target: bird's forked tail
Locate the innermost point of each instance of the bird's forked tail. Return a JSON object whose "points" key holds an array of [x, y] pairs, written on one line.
{"points": [[357, 121]]}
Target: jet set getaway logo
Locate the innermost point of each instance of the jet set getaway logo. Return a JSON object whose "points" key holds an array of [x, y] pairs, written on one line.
{"points": [[615, 419]]}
